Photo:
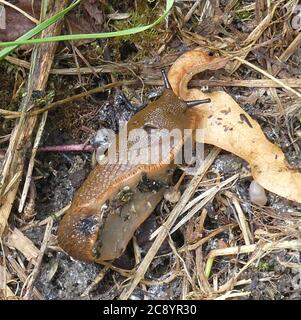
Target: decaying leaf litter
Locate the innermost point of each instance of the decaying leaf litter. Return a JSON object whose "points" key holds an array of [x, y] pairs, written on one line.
{"points": [[229, 248]]}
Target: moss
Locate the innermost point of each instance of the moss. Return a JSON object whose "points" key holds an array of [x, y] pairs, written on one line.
{"points": [[146, 13], [263, 265], [7, 83], [242, 15]]}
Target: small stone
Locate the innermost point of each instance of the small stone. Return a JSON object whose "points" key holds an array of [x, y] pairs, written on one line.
{"points": [[257, 194]]}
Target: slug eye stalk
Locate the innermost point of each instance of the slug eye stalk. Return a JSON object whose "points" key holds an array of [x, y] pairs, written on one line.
{"points": [[194, 103], [165, 79], [189, 104]]}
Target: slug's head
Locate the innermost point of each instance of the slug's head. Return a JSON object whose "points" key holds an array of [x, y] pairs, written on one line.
{"points": [[167, 112], [78, 232]]}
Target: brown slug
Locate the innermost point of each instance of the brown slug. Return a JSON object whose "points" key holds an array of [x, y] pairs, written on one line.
{"points": [[117, 197]]}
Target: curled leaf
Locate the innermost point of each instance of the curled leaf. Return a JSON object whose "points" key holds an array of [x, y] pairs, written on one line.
{"points": [[229, 127]]}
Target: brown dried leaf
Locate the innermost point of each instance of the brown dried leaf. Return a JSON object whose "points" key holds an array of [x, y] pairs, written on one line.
{"points": [[229, 127], [16, 239], [93, 9], [16, 23], [88, 20]]}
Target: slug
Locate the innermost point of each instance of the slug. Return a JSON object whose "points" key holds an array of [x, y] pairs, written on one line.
{"points": [[117, 197]]}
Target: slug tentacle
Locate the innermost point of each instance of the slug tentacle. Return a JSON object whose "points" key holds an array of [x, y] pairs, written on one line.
{"points": [[165, 80], [194, 103]]}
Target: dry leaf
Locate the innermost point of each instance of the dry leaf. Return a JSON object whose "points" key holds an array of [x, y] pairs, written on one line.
{"points": [[16, 239], [87, 19], [16, 23], [94, 9], [229, 127]]}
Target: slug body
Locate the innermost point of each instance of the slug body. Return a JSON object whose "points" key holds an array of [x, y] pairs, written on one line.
{"points": [[117, 197]]}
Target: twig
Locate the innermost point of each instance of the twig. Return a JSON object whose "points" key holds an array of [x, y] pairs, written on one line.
{"points": [[13, 164], [191, 11], [16, 114], [260, 83], [298, 94], [31, 162], [68, 148], [199, 260], [174, 250], [105, 68], [263, 83], [195, 202], [244, 227], [295, 44], [96, 281], [250, 83], [36, 269], [207, 238], [22, 276], [231, 294], [293, 244], [198, 207]]}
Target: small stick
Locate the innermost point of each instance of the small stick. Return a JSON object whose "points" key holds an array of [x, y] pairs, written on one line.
{"points": [[295, 44], [258, 83], [36, 269], [293, 244], [198, 207], [96, 281], [22, 276], [207, 238], [231, 294], [242, 222], [31, 162], [199, 259], [282, 84], [202, 280], [191, 11], [68, 148], [14, 161], [105, 68], [16, 114], [250, 83]]}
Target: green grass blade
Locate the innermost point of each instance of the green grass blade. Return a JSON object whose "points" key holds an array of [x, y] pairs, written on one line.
{"points": [[73, 37], [11, 46]]}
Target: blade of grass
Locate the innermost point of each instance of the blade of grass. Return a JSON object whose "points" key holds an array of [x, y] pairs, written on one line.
{"points": [[74, 37], [12, 45]]}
